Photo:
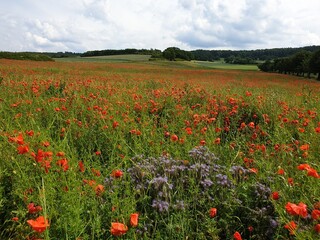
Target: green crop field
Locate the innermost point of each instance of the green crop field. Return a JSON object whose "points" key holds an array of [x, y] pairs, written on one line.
{"points": [[222, 65]]}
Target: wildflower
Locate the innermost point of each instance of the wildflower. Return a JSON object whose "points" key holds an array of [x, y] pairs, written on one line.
{"points": [[291, 226], [275, 195], [213, 212], [134, 219], [118, 229], [81, 166], [33, 209], [60, 154], [189, 130], [63, 163], [313, 173], [96, 172], [18, 139], [99, 189], [39, 225], [174, 138], [30, 133], [237, 236], [300, 209], [253, 170], [281, 171], [22, 149], [217, 141], [315, 214], [304, 147], [15, 219], [304, 166], [46, 144], [161, 206], [116, 173], [317, 228], [115, 124], [290, 181]]}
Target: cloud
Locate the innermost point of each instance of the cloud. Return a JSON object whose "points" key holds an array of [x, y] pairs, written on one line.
{"points": [[81, 25]]}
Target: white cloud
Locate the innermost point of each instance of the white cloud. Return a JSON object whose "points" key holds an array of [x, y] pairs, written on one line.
{"points": [[80, 25]]}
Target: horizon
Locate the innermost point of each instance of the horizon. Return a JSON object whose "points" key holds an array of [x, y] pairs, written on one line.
{"points": [[164, 49]]}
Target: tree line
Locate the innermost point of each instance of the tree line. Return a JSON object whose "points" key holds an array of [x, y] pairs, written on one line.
{"points": [[25, 56], [230, 56], [110, 52], [301, 63]]}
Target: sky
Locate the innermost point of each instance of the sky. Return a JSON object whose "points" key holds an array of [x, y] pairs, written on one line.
{"points": [[83, 25]]}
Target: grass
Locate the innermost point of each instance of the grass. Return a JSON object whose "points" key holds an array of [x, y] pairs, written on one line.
{"points": [[195, 152], [226, 66]]}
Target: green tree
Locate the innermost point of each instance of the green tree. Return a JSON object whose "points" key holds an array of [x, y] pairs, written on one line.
{"points": [[315, 63], [169, 54]]}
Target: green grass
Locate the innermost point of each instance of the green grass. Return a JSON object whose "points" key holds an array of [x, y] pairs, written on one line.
{"points": [[222, 65]]}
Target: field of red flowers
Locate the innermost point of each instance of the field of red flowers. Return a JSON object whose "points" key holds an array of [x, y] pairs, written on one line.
{"points": [[157, 151]]}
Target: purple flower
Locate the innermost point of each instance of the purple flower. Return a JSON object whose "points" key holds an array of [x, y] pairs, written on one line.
{"points": [[161, 206]]}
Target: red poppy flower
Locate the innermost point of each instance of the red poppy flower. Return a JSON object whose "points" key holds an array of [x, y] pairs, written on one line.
{"points": [[81, 166], [275, 195], [39, 225], [32, 208], [217, 141], [304, 147], [18, 139], [213, 212], [304, 166], [300, 209], [63, 163], [22, 149], [46, 144], [96, 172], [291, 226], [99, 189], [313, 173], [174, 138], [117, 173], [315, 214], [317, 228], [290, 181], [237, 236], [118, 229], [134, 218]]}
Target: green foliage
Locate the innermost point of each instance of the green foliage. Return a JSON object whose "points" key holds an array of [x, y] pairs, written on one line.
{"points": [[173, 53], [25, 56], [300, 63]]}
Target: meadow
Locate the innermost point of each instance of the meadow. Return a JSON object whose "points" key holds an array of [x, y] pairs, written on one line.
{"points": [[157, 150]]}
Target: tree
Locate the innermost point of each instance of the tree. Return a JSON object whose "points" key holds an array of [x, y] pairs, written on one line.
{"points": [[169, 54], [315, 63], [298, 61]]}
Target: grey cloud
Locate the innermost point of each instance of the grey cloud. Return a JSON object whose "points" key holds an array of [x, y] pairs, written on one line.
{"points": [[80, 25]]}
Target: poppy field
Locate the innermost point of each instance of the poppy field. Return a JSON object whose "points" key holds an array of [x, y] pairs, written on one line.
{"points": [[145, 150]]}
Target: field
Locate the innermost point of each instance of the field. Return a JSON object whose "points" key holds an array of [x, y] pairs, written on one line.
{"points": [[226, 66], [112, 58], [157, 150]]}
